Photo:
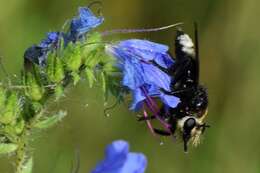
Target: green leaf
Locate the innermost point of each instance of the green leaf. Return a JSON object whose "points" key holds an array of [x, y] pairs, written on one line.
{"points": [[10, 110], [103, 81], [12, 130], [55, 71], [94, 37], [2, 96], [33, 90], [61, 47], [109, 65], [50, 121], [90, 76], [76, 77], [7, 148], [27, 167], [93, 43], [59, 91], [19, 126], [72, 57], [36, 106], [92, 59], [59, 71]]}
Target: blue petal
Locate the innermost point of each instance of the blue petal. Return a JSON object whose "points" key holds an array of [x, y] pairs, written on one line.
{"points": [[119, 160], [116, 155], [138, 98], [164, 60], [116, 149], [34, 54], [137, 73], [152, 91], [170, 100], [133, 74], [148, 51], [144, 48], [84, 23], [52, 37], [154, 76], [136, 163]]}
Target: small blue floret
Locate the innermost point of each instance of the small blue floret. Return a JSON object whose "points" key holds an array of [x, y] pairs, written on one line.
{"points": [[38, 53], [83, 23], [52, 38], [118, 159]]}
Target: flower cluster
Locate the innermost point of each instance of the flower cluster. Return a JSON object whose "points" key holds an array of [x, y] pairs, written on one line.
{"points": [[50, 66], [118, 159], [79, 26]]}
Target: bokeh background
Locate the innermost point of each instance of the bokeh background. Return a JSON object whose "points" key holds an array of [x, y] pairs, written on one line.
{"points": [[230, 67]]}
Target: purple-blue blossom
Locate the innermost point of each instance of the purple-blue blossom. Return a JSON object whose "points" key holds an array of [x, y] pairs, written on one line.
{"points": [[38, 53], [51, 39], [83, 23], [118, 159], [143, 63]]}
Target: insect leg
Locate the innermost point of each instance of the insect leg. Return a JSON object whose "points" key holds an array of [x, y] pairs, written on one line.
{"points": [[149, 124], [162, 132], [146, 118]]}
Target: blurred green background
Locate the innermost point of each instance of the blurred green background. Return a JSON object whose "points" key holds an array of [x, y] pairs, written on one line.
{"points": [[230, 67]]}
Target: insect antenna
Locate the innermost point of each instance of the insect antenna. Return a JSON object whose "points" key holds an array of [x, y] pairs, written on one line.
{"points": [[197, 62], [116, 31]]}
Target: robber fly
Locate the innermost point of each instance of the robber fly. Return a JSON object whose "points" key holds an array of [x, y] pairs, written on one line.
{"points": [[187, 118]]}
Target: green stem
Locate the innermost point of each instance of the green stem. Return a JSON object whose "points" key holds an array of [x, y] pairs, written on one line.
{"points": [[22, 153]]}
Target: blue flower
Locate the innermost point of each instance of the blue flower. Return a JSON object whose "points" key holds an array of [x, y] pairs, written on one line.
{"points": [[51, 39], [83, 23], [143, 64], [118, 159], [38, 53]]}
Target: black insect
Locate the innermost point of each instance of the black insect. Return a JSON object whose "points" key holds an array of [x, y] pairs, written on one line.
{"points": [[187, 118]]}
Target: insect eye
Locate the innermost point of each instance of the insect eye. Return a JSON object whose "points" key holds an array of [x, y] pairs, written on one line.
{"points": [[189, 124]]}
